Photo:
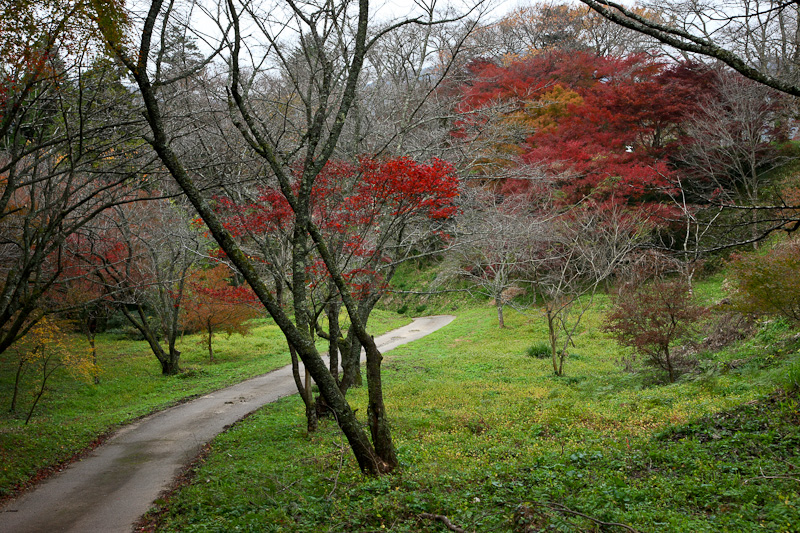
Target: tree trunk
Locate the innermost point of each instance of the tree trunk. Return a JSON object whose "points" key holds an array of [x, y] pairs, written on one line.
{"points": [[90, 325], [668, 364], [500, 321], [304, 389], [376, 410], [40, 393], [551, 328], [96, 377], [351, 363], [169, 361], [335, 332], [17, 379], [169, 365], [210, 332]]}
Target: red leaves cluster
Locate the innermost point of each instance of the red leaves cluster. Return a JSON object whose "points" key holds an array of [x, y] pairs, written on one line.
{"points": [[401, 187], [616, 139], [358, 206], [214, 304]]}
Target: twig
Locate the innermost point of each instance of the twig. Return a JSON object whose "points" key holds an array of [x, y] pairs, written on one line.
{"points": [[446, 521], [563, 509], [791, 478], [338, 473], [777, 476], [287, 487]]}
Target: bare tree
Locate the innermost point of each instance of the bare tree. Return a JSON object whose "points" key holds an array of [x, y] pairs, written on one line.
{"points": [[546, 24], [497, 247], [758, 38], [142, 253], [68, 142], [584, 247], [734, 142]]}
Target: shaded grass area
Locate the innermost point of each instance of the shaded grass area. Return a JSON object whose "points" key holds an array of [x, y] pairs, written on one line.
{"points": [[74, 415], [490, 439]]}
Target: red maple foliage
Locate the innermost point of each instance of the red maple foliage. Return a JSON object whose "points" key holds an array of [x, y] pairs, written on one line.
{"points": [[613, 138], [362, 208]]}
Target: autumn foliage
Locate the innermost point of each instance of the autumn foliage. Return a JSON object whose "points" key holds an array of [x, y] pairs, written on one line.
{"points": [[602, 126], [39, 355], [367, 210], [214, 305], [650, 317]]}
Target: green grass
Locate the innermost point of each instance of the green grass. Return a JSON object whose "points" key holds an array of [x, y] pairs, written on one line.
{"points": [[73, 413], [490, 438]]}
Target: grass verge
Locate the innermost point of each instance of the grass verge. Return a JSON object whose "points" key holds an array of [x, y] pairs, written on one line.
{"points": [[490, 440]]}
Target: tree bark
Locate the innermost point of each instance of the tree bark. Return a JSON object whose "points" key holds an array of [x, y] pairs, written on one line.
{"points": [[376, 410], [558, 358], [351, 363], [169, 360], [335, 332], [304, 390], [210, 332], [499, 303]]}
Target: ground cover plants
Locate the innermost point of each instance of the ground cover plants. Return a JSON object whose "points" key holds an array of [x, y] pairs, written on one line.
{"points": [[489, 440], [73, 413]]}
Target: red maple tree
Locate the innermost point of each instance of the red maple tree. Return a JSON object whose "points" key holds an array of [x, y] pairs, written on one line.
{"points": [[373, 214], [213, 304], [601, 126]]}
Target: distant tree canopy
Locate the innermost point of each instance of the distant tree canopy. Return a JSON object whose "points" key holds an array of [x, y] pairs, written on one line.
{"points": [[757, 38]]}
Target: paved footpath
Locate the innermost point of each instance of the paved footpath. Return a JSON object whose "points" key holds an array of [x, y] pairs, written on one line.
{"points": [[110, 489]]}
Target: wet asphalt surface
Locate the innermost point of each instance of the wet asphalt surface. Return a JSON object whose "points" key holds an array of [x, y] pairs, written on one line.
{"points": [[115, 484]]}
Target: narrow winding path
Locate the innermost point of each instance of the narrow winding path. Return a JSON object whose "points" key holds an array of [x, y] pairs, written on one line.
{"points": [[117, 483]]}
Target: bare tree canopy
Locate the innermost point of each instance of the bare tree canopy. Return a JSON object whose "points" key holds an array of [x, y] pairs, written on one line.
{"points": [[757, 38]]}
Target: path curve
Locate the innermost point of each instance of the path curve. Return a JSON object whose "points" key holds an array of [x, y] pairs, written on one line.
{"points": [[115, 484]]}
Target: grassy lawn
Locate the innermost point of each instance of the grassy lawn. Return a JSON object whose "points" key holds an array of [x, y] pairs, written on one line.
{"points": [[490, 439], [73, 413]]}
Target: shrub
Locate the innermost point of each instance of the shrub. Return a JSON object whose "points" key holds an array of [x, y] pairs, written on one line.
{"points": [[768, 284], [650, 317], [791, 381]]}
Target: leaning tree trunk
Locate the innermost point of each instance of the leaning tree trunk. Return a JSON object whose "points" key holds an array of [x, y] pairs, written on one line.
{"points": [[168, 360], [305, 392]]}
